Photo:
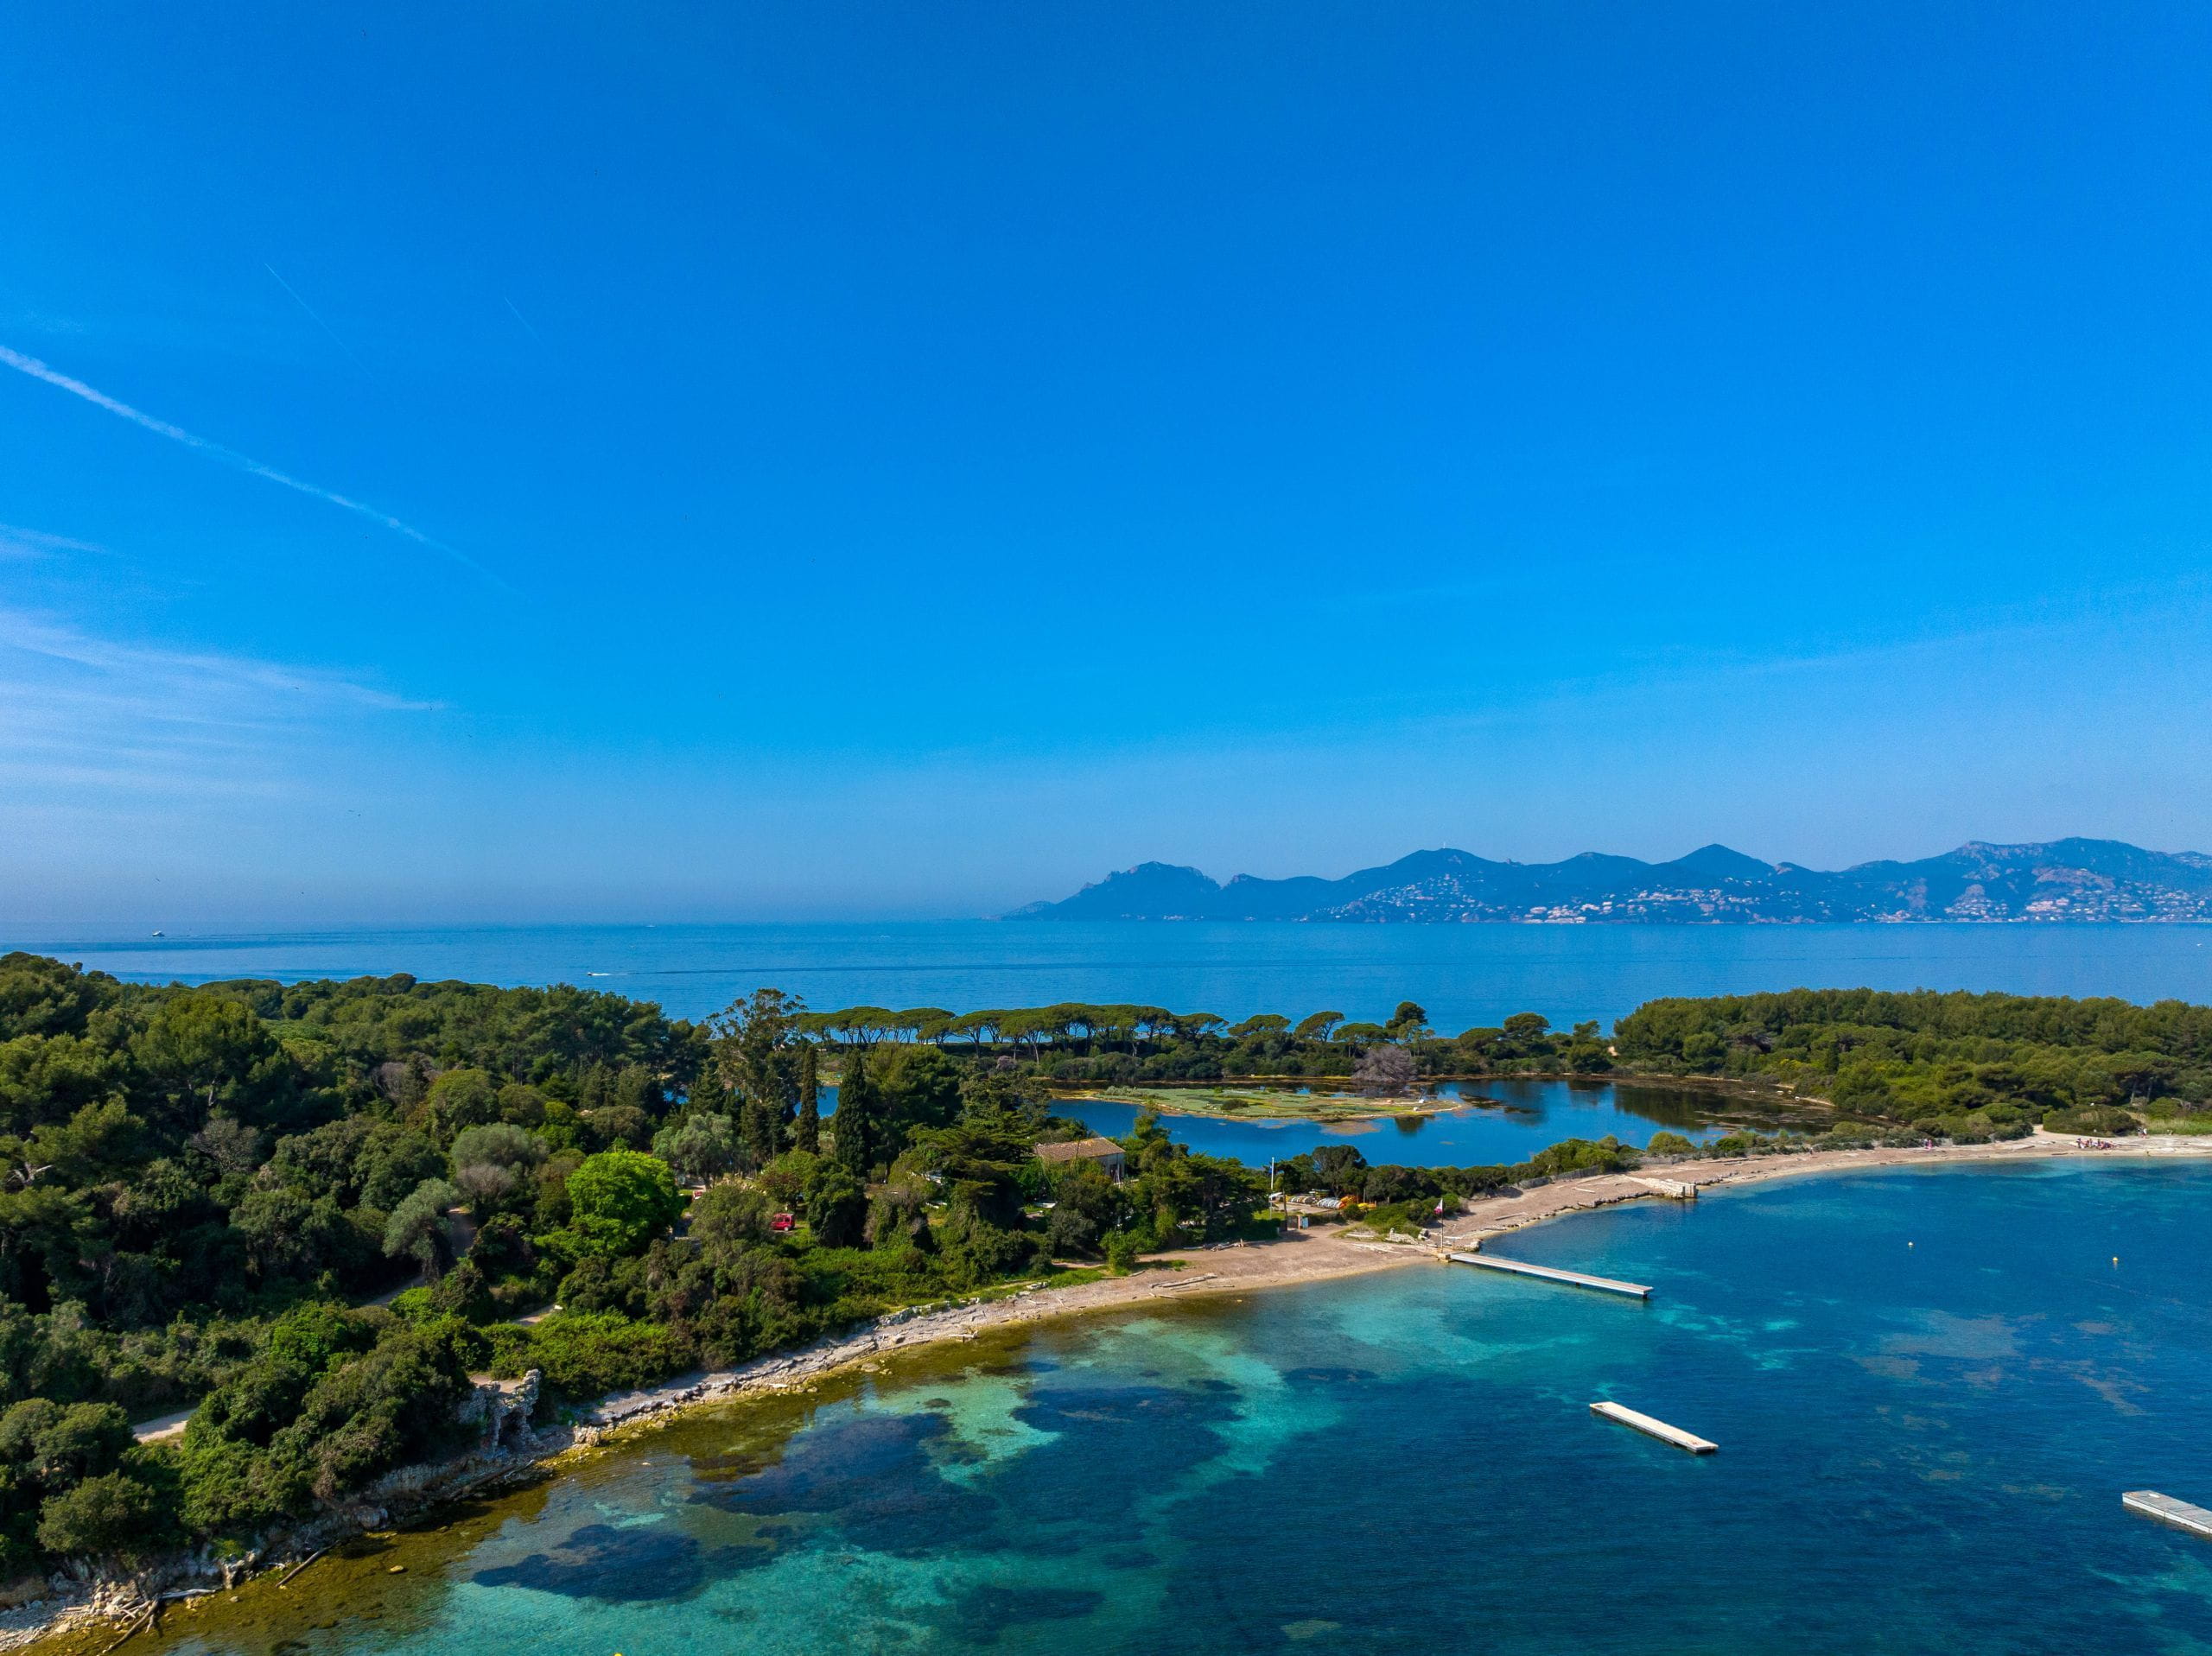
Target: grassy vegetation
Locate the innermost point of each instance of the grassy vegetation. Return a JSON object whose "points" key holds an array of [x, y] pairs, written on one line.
{"points": [[1260, 1103]]}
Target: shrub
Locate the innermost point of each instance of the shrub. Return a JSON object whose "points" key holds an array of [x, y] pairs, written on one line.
{"points": [[501, 1249], [1605, 1155], [730, 1215], [1401, 1216], [113, 1515], [589, 1354], [1070, 1230], [975, 1250], [396, 1403], [899, 1217], [413, 1304], [462, 1292], [836, 1207], [2097, 1120]]}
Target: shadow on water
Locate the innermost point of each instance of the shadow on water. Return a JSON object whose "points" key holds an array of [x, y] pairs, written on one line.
{"points": [[875, 1473], [1269, 1472], [984, 1614], [622, 1565]]}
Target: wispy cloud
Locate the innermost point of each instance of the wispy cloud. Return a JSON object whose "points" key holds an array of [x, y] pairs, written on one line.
{"points": [[16, 542], [152, 667], [59, 381], [86, 717]]}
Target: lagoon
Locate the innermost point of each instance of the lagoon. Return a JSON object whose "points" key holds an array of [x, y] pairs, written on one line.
{"points": [[1503, 1122], [1922, 1448]]}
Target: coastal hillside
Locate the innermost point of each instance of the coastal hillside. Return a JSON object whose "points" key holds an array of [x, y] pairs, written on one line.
{"points": [[2072, 879]]}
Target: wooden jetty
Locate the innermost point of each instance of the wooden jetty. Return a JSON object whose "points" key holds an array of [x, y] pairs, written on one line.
{"points": [[1665, 1433], [2167, 1510], [1547, 1273]]}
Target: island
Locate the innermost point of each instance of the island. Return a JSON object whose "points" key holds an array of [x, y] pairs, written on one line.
{"points": [[276, 1260]]}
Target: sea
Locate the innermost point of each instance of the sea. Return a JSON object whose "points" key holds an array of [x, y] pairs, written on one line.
{"points": [[1929, 1387], [1463, 976]]}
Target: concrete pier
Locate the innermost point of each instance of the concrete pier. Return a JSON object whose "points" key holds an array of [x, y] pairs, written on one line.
{"points": [[1547, 1273], [1661, 1430], [2167, 1510]]}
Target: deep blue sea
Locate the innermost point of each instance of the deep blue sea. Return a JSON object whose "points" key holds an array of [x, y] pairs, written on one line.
{"points": [[1464, 975], [1929, 1387]]}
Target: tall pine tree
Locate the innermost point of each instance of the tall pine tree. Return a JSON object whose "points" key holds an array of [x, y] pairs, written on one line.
{"points": [[755, 1050], [855, 1129], [808, 1135]]}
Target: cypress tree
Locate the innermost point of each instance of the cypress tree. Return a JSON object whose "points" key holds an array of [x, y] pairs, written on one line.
{"points": [[762, 1133], [853, 1127], [809, 1135]]}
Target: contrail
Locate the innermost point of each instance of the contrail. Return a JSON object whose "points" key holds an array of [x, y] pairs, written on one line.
{"points": [[519, 317], [37, 370], [315, 318]]}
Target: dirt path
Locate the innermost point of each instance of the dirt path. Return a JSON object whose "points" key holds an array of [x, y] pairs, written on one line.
{"points": [[1298, 1257]]}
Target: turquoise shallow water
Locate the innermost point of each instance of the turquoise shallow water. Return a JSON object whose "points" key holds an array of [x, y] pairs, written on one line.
{"points": [[1923, 1450]]}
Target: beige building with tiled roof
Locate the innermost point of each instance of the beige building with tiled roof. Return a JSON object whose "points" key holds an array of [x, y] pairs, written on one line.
{"points": [[1101, 1153]]}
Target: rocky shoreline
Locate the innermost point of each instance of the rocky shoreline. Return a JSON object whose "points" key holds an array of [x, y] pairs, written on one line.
{"points": [[513, 1452]]}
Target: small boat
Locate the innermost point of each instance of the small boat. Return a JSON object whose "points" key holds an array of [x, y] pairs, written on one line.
{"points": [[158, 934]]}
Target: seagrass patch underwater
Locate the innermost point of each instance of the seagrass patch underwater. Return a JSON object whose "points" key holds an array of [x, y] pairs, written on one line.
{"points": [[1929, 1387]]}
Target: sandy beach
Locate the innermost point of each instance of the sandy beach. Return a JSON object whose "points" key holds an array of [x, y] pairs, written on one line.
{"points": [[1323, 1253], [1313, 1255]]}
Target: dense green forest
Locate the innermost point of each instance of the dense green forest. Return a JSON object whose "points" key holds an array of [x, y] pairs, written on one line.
{"points": [[314, 1211], [205, 1190], [1959, 1066]]}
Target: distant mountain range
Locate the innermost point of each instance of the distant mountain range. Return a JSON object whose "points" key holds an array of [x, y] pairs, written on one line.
{"points": [[2064, 880]]}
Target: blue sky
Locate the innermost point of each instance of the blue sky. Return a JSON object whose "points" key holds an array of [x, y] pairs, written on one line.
{"points": [[833, 460]]}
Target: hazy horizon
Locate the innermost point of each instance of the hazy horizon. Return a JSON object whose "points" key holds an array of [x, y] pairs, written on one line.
{"points": [[279, 920]]}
